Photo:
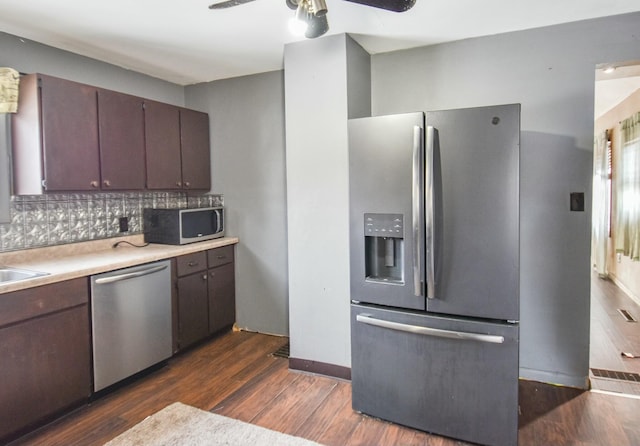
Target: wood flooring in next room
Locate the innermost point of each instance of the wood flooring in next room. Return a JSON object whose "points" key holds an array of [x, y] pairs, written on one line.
{"points": [[612, 334], [237, 375]]}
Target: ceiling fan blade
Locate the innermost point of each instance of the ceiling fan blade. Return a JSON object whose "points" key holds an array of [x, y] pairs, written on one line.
{"points": [[389, 5], [228, 4]]}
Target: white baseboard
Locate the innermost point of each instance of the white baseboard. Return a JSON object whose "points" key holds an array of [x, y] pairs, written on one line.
{"points": [[626, 290]]}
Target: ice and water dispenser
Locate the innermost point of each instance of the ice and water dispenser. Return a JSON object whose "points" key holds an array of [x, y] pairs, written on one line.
{"points": [[384, 248]]}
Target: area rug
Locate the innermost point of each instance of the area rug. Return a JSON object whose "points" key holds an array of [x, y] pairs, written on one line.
{"points": [[182, 425]]}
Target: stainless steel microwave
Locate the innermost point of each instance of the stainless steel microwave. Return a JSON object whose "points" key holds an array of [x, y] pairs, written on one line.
{"points": [[181, 226]]}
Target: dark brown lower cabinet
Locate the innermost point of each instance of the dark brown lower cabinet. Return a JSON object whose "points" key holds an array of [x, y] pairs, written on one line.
{"points": [[222, 302], [206, 294], [193, 308], [45, 349]]}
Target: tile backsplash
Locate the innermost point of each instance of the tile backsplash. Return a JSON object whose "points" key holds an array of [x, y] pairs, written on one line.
{"points": [[45, 220]]}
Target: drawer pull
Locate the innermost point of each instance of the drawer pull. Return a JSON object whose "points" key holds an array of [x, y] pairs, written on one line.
{"points": [[193, 264]]}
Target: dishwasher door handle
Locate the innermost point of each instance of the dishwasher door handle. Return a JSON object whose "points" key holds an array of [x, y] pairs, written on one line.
{"points": [[125, 276]]}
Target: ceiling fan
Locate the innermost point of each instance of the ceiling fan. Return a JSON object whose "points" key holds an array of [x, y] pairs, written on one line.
{"points": [[311, 15]]}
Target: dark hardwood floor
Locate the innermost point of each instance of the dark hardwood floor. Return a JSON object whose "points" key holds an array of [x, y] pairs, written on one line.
{"points": [[235, 375], [611, 334]]}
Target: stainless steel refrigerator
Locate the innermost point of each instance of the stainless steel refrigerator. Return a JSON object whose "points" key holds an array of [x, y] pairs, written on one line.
{"points": [[434, 248]]}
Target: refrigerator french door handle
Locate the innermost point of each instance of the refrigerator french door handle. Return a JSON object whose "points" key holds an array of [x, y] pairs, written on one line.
{"points": [[417, 212], [426, 331], [431, 135]]}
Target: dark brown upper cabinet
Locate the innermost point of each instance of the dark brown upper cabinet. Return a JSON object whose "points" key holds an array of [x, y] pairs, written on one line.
{"points": [[194, 144], [122, 141], [55, 136], [177, 144], [74, 137], [162, 134]]}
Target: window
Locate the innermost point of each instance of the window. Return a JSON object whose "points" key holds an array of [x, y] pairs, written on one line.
{"points": [[628, 192]]}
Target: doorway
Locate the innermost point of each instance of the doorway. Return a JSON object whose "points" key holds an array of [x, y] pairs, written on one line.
{"points": [[615, 279]]}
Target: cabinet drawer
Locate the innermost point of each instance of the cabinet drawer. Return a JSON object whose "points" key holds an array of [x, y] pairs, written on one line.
{"points": [[32, 302], [191, 263], [220, 256]]}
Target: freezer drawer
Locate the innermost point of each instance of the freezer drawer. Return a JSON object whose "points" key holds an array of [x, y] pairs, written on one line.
{"points": [[453, 377]]}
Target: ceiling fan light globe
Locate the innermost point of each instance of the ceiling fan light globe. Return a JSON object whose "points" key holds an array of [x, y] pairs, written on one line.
{"points": [[297, 27]]}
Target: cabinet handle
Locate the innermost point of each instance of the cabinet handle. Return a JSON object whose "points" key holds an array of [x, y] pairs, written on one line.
{"points": [[107, 183], [204, 277], [187, 184], [94, 184], [221, 257], [212, 274], [192, 264], [179, 183]]}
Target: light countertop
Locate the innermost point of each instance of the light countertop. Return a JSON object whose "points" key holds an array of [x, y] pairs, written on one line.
{"points": [[65, 262]]}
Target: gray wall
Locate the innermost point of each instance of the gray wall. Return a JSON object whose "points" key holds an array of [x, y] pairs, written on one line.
{"points": [[318, 74], [550, 71], [247, 136], [27, 56], [248, 168], [31, 57]]}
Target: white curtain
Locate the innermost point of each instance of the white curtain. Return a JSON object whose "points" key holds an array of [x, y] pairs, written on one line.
{"points": [[628, 191], [601, 203]]}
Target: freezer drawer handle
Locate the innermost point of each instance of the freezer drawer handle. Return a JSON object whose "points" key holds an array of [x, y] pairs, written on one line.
{"points": [[461, 335], [119, 277]]}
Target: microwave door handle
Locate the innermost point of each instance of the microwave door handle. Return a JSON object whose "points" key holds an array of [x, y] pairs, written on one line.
{"points": [[218, 220]]}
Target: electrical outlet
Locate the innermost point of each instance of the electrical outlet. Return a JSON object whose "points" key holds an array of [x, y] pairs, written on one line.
{"points": [[577, 201], [124, 224]]}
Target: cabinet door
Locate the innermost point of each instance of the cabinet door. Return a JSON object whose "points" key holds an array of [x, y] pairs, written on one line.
{"points": [[193, 309], [222, 302], [69, 135], [121, 124], [45, 368], [194, 136], [162, 135]]}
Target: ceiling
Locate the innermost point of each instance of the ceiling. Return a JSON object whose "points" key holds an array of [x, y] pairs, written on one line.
{"points": [[614, 87], [184, 42]]}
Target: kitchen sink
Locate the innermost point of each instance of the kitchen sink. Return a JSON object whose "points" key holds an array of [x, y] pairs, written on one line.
{"points": [[9, 274]]}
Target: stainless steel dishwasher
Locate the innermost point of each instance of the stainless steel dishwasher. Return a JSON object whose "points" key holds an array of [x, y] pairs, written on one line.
{"points": [[131, 316]]}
